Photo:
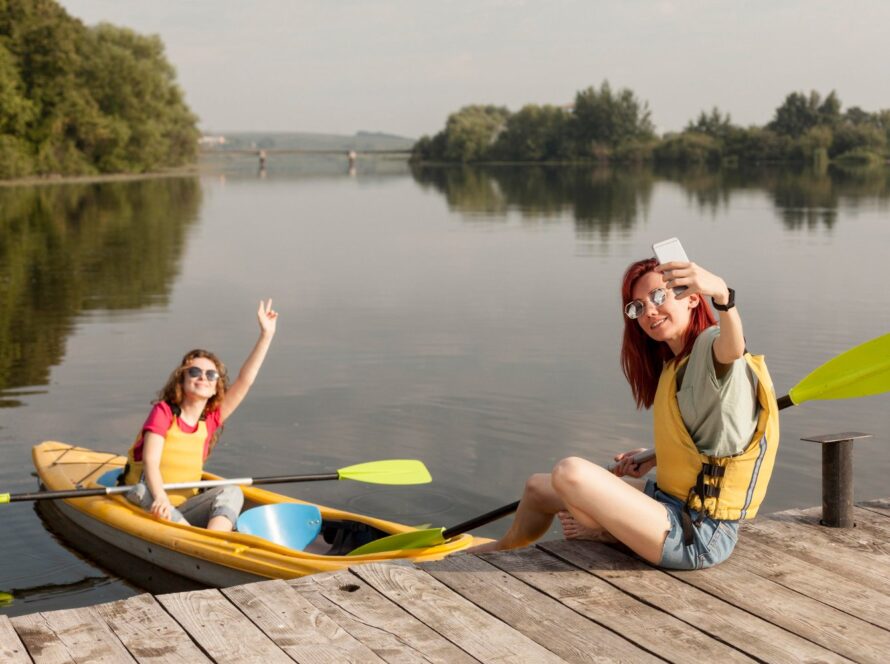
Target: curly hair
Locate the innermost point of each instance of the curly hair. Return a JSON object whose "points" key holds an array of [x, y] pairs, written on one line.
{"points": [[642, 358], [172, 390]]}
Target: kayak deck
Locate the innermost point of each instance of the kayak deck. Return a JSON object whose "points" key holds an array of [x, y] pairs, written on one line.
{"points": [[208, 557]]}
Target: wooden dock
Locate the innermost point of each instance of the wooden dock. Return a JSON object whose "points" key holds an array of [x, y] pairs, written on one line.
{"points": [[793, 591]]}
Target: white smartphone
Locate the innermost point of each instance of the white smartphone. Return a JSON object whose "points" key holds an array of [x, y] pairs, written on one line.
{"points": [[670, 250]]}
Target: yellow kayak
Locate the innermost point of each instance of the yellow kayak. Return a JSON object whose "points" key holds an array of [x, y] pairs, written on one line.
{"points": [[211, 558]]}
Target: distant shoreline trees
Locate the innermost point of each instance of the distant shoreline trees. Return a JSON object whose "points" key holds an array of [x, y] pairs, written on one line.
{"points": [[604, 125], [78, 100]]}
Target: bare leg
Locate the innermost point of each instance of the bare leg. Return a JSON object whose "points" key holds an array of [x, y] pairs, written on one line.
{"points": [[221, 523], [537, 506], [598, 500]]}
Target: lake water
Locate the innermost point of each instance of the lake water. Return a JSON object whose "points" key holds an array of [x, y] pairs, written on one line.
{"points": [[466, 317]]}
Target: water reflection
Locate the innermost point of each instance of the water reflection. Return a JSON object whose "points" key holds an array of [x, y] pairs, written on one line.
{"points": [[66, 249], [604, 199], [600, 199]]}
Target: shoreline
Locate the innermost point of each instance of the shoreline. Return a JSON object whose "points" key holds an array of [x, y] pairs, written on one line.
{"points": [[38, 180]]}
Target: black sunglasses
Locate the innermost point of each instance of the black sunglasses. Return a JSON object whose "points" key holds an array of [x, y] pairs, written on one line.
{"points": [[195, 372]]}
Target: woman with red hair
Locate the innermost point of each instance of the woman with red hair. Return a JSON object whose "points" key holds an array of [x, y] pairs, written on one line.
{"points": [[716, 431]]}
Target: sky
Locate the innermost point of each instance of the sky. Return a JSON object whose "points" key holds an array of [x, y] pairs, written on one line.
{"points": [[401, 66]]}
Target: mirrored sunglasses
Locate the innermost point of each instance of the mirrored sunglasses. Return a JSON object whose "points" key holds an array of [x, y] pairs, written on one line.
{"points": [[635, 309], [195, 372]]}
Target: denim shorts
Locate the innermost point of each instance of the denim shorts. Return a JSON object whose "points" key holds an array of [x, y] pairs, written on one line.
{"points": [[712, 540]]}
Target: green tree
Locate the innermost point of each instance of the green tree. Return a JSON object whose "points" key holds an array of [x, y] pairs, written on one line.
{"points": [[77, 100], [470, 133], [535, 133], [713, 124], [799, 113], [603, 120]]}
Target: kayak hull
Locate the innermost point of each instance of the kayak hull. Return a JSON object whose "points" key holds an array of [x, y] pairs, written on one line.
{"points": [[206, 557]]}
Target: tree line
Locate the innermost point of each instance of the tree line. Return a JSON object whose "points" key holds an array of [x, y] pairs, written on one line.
{"points": [[84, 100], [607, 125]]}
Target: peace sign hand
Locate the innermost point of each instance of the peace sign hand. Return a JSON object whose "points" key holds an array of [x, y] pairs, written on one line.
{"points": [[267, 317]]}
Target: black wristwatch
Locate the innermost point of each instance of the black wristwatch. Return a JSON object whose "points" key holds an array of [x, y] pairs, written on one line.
{"points": [[729, 304]]}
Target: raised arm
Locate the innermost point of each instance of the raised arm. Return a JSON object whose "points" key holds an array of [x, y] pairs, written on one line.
{"points": [[267, 318], [730, 344]]}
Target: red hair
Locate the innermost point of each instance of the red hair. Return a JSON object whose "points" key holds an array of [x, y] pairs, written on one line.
{"points": [[642, 358]]}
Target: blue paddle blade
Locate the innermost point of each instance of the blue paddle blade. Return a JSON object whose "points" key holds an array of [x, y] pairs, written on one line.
{"points": [[289, 524]]}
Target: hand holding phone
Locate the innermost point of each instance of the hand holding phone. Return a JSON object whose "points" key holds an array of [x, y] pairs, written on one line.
{"points": [[668, 251]]}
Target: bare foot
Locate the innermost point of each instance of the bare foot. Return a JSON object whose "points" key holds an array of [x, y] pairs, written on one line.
{"points": [[575, 531], [483, 548]]}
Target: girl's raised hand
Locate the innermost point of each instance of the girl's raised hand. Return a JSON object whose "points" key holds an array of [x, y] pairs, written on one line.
{"points": [[267, 317], [696, 279]]}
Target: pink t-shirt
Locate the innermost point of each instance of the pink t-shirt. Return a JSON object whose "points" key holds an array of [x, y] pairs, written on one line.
{"points": [[160, 419]]}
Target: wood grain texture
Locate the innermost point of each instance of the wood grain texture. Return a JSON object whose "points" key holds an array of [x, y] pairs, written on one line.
{"points": [[473, 630], [721, 620], [393, 634], [806, 617], [70, 635], [297, 626], [221, 630], [649, 627], [549, 623], [12, 650], [148, 632]]}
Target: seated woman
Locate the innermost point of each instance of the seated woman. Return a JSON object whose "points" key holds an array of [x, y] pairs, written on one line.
{"points": [[716, 431], [181, 431]]}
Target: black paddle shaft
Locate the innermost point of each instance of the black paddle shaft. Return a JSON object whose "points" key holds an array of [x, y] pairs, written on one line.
{"points": [[475, 522], [284, 479]]}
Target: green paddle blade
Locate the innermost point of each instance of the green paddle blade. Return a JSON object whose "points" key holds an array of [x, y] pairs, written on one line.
{"points": [[858, 372], [391, 471], [5, 599], [416, 539]]}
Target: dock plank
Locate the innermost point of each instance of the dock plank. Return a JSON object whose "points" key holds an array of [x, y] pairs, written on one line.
{"points": [[462, 622], [748, 633], [148, 632], [393, 634], [221, 630], [813, 581], [70, 635], [816, 547], [12, 650], [297, 626], [813, 620], [881, 506], [648, 627], [541, 618]]}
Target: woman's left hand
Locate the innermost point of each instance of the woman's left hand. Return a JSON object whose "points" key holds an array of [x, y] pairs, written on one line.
{"points": [[695, 278], [267, 317]]}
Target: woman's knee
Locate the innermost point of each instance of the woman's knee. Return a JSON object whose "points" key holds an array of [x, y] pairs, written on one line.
{"points": [[572, 472], [538, 486], [230, 497]]}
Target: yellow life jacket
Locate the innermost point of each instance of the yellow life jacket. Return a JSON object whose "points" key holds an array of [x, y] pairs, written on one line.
{"points": [[182, 460], [730, 487]]}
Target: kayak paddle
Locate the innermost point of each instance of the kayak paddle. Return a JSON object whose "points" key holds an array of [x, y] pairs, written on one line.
{"points": [[862, 371], [419, 539], [391, 471], [859, 372]]}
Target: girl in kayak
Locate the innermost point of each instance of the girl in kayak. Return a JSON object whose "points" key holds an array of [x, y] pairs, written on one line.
{"points": [[716, 431], [182, 429]]}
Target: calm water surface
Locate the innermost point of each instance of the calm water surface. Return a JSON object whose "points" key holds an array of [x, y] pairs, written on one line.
{"points": [[466, 317]]}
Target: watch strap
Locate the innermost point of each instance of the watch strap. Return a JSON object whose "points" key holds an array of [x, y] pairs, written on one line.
{"points": [[729, 304]]}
